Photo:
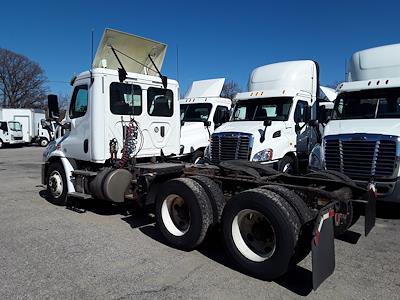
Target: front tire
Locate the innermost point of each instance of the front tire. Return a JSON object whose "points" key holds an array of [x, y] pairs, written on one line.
{"points": [[287, 165], [260, 232], [43, 142], [183, 213], [197, 156], [57, 184]]}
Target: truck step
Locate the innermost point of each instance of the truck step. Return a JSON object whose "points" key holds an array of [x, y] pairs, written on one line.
{"points": [[80, 195], [84, 173]]}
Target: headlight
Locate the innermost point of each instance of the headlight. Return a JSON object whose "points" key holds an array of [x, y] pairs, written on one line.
{"points": [[263, 155]]}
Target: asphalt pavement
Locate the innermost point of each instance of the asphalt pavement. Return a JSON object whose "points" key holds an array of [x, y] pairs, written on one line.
{"points": [[47, 251]]}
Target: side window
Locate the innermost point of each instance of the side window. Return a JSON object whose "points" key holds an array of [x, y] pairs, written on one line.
{"points": [[125, 99], [79, 102], [221, 115], [160, 102], [3, 126], [300, 112]]}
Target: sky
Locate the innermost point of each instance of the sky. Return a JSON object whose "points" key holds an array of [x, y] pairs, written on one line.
{"points": [[214, 38]]}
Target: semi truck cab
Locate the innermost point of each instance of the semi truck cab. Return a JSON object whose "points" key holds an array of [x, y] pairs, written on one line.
{"points": [[362, 137], [269, 122], [202, 111]]}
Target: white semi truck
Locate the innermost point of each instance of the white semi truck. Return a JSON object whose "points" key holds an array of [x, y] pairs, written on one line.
{"points": [[362, 138], [10, 133], [123, 124], [202, 111], [30, 119], [269, 122]]}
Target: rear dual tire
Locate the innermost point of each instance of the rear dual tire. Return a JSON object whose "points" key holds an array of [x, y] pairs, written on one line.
{"points": [[183, 213], [260, 233]]}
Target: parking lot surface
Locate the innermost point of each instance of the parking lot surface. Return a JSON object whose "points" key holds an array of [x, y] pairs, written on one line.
{"points": [[48, 251]]}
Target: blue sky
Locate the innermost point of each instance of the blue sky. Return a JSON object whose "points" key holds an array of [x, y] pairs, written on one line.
{"points": [[215, 38]]}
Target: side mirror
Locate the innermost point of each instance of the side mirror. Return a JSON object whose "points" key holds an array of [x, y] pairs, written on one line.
{"points": [[267, 123], [67, 126], [182, 123], [322, 115], [207, 123], [297, 128], [225, 117], [52, 104]]}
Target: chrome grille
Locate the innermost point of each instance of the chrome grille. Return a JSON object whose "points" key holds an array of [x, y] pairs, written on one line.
{"points": [[229, 146], [361, 159]]}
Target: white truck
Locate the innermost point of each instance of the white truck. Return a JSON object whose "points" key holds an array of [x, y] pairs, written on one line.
{"points": [[362, 138], [30, 120], [202, 111], [269, 122], [10, 133], [122, 126]]}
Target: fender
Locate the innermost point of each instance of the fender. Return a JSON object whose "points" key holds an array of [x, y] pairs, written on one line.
{"points": [[69, 166]]}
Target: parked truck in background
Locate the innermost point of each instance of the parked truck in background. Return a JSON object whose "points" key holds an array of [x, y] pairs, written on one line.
{"points": [[122, 127], [362, 137], [30, 120], [10, 133], [202, 111], [269, 122]]}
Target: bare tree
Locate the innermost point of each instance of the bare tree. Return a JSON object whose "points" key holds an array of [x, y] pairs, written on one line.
{"points": [[230, 89], [22, 81]]}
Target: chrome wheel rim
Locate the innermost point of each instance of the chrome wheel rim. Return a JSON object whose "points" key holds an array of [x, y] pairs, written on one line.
{"points": [[56, 184]]}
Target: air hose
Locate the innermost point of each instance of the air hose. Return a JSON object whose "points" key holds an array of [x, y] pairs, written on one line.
{"points": [[129, 143]]}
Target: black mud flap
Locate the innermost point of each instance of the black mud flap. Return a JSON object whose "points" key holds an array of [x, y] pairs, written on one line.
{"points": [[323, 247], [370, 210]]}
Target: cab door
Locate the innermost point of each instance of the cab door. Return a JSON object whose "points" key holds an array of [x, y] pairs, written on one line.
{"points": [[78, 142], [163, 122]]}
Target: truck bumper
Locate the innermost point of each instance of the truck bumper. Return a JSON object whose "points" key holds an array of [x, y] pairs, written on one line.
{"points": [[388, 191]]}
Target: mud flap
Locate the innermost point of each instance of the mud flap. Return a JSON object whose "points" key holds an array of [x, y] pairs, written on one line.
{"points": [[370, 209], [323, 247]]}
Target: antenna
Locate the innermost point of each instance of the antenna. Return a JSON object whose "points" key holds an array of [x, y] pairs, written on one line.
{"points": [[177, 63], [345, 69], [91, 62]]}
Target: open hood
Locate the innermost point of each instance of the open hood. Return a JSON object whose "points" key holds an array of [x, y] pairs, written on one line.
{"points": [[205, 88], [134, 46]]}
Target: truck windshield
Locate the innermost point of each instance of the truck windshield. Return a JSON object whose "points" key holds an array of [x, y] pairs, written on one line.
{"points": [[274, 109], [14, 126], [198, 112], [369, 104]]}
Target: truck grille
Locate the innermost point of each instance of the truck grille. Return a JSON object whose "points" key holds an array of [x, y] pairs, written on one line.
{"points": [[17, 138], [230, 146], [361, 159]]}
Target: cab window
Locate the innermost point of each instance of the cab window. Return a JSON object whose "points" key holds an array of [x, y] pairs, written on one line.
{"points": [[3, 126], [300, 112], [125, 99], [160, 102], [79, 102]]}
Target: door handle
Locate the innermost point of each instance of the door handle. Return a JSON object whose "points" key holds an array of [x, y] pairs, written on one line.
{"points": [[162, 131]]}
